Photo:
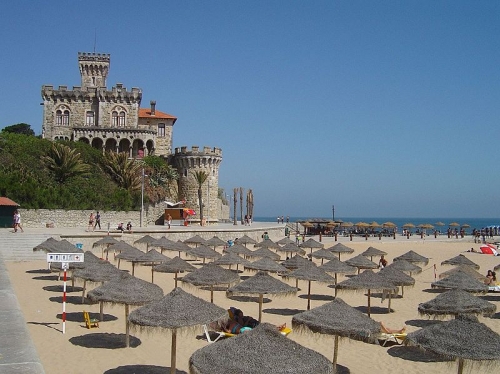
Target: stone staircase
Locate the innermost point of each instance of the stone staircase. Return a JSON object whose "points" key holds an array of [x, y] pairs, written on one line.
{"points": [[19, 246]]}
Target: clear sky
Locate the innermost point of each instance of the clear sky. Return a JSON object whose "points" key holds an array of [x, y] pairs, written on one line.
{"points": [[382, 108]]}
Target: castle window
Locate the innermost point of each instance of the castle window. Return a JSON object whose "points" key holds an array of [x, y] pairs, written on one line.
{"points": [[62, 118], [121, 119], [59, 118], [185, 172], [89, 121], [161, 129], [114, 120]]}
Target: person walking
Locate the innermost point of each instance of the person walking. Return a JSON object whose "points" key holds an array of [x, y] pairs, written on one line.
{"points": [[169, 220], [17, 221], [91, 222], [97, 220]]}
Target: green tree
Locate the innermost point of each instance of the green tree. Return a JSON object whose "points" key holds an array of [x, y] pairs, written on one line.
{"points": [[124, 171], [200, 177], [162, 179], [64, 163], [20, 128]]}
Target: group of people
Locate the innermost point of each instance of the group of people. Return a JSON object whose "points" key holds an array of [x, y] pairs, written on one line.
{"points": [[122, 229], [16, 221], [282, 219], [94, 221]]}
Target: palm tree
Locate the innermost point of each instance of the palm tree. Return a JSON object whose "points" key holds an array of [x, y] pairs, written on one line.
{"points": [[124, 171], [64, 162], [235, 191], [201, 177]]}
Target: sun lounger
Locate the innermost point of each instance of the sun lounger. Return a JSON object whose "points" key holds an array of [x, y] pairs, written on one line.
{"points": [[385, 337]]}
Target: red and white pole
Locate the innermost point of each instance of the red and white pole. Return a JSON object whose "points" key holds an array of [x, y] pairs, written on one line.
{"points": [[64, 303]]}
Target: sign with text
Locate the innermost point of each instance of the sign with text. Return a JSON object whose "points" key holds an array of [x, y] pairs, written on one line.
{"points": [[65, 257]]}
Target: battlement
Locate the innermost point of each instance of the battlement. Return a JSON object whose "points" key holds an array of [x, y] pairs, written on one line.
{"points": [[195, 151], [94, 57]]}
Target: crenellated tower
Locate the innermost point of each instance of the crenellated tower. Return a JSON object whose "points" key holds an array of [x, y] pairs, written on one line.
{"points": [[187, 162], [94, 68]]}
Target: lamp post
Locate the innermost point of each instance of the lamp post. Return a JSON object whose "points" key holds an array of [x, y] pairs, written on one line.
{"points": [[208, 200], [142, 196], [333, 213]]}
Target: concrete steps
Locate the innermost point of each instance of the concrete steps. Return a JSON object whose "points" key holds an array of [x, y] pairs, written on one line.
{"points": [[19, 246]]}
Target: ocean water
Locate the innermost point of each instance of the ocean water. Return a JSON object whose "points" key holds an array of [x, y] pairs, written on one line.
{"points": [[474, 223]]}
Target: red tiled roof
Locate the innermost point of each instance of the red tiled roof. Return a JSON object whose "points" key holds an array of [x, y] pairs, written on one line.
{"points": [[146, 113], [5, 201]]}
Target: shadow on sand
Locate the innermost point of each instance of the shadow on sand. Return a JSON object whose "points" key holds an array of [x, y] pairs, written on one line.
{"points": [[422, 322], [78, 317], [104, 340], [374, 309], [143, 369], [48, 324], [38, 271], [283, 311], [60, 288], [47, 278], [76, 300], [249, 299], [415, 354], [318, 297]]}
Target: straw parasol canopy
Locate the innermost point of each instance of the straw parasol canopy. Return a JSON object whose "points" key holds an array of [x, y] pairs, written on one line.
{"points": [[466, 269], [408, 225], [285, 240], [413, 257], [104, 242], [291, 248], [215, 242], [127, 290], [361, 262], [239, 250], [267, 244], [195, 240], [129, 255], [266, 264], [164, 244], [439, 223], [231, 259], [336, 266], [211, 275], [262, 284], [150, 258], [373, 252], [323, 254], [295, 262], [311, 273], [204, 252], [340, 248], [261, 350], [48, 245], [311, 244], [460, 260], [389, 224], [182, 247], [454, 224], [405, 267], [265, 252], [174, 266], [175, 312], [462, 281], [346, 224], [367, 280], [118, 247], [455, 302], [398, 278], [338, 319], [146, 239], [245, 239], [463, 338]]}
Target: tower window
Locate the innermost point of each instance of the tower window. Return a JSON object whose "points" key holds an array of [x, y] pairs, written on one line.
{"points": [[118, 118], [59, 120], [161, 129], [62, 118], [89, 121], [121, 119], [114, 119]]}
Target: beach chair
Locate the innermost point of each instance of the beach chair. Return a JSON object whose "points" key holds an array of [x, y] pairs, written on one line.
{"points": [[90, 322], [220, 334], [396, 338]]}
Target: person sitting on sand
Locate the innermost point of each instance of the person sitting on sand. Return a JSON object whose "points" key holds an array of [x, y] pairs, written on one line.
{"points": [[382, 263], [387, 330]]}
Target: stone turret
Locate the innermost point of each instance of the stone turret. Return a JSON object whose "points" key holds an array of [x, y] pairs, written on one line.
{"points": [[187, 162], [94, 68]]}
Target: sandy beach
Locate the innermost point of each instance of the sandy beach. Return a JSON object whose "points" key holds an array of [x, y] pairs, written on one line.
{"points": [[40, 296]]}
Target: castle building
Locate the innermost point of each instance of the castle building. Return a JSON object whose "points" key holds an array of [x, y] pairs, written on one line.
{"points": [[112, 120]]}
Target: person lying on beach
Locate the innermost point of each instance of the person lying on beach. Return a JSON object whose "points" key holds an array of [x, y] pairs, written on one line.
{"points": [[233, 327], [387, 330], [245, 321]]}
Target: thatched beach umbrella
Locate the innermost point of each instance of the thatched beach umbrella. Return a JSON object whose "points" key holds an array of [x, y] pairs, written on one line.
{"points": [[462, 281], [265, 252], [105, 242], [174, 265], [262, 284], [405, 267], [286, 240], [466, 269], [336, 266], [311, 244], [119, 247], [164, 244], [398, 278], [239, 250], [146, 239], [175, 312], [460, 260], [211, 275], [129, 255], [295, 262], [127, 290], [245, 239], [311, 273], [151, 258], [204, 252], [261, 350], [361, 262], [340, 248], [267, 244], [196, 240], [47, 246], [323, 254], [340, 320], [413, 257], [182, 247], [215, 242], [455, 302], [367, 280], [231, 259], [291, 248], [266, 264], [462, 338], [373, 252]]}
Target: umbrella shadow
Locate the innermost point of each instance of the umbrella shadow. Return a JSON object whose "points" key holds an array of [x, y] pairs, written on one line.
{"points": [[47, 278], [143, 369], [494, 298], [104, 340], [379, 295], [416, 354], [374, 309], [76, 300], [215, 288], [60, 288], [318, 297], [422, 322], [249, 299], [342, 370], [496, 316], [283, 311], [38, 271], [47, 324], [78, 317], [434, 290]]}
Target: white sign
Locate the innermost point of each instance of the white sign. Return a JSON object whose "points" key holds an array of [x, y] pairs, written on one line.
{"points": [[65, 257]]}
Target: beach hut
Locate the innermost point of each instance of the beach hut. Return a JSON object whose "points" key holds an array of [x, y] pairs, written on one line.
{"points": [[7, 209]]}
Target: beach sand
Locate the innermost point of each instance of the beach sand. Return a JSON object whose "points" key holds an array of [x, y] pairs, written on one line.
{"points": [[40, 297]]}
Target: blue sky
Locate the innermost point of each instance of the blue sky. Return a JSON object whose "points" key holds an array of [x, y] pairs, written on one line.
{"points": [[384, 109]]}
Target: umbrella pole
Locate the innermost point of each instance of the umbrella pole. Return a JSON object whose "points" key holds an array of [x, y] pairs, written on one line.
{"points": [[101, 311], [261, 300], [335, 353], [212, 294], [173, 352], [119, 263], [133, 267], [368, 302], [152, 275], [72, 281], [389, 303], [309, 296], [297, 283], [127, 328], [403, 290], [83, 292], [335, 284], [175, 279], [460, 365]]}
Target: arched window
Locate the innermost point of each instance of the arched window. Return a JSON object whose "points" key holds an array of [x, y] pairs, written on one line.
{"points": [[59, 120], [118, 118], [114, 119], [65, 118], [121, 119], [89, 121]]}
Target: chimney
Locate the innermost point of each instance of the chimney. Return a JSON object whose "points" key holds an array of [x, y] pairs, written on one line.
{"points": [[153, 105]]}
